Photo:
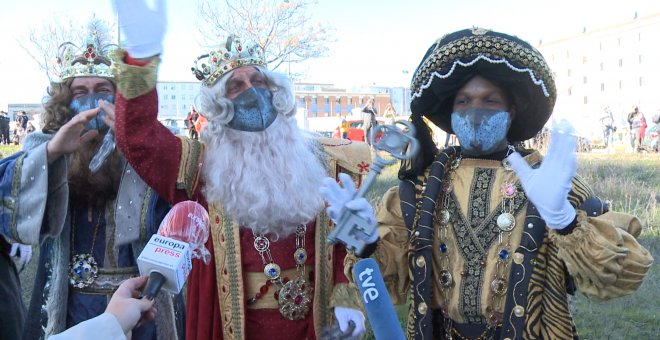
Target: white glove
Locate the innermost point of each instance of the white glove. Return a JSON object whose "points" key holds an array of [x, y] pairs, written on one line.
{"points": [[141, 27], [345, 314], [548, 186], [24, 253], [339, 198]]}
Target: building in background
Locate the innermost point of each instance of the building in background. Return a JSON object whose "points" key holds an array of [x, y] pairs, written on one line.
{"points": [[616, 66], [176, 97]]}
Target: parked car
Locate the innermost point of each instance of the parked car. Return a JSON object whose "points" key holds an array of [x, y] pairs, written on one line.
{"points": [[177, 125], [355, 131]]}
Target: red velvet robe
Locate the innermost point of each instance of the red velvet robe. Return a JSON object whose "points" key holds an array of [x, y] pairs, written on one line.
{"points": [[156, 154]]}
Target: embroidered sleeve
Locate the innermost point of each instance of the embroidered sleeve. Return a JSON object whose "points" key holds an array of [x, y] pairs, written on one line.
{"points": [[133, 81], [189, 165], [602, 253]]}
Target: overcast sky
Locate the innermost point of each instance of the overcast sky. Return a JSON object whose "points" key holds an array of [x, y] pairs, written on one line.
{"points": [[376, 40]]}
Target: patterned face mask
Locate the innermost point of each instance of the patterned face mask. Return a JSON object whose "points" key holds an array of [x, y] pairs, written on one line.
{"points": [[480, 131], [88, 102], [253, 110]]}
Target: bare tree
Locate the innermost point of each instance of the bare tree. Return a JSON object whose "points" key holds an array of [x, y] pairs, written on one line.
{"points": [[282, 29], [42, 43]]}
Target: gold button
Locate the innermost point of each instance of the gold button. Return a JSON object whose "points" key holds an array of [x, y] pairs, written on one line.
{"points": [[519, 311], [420, 261], [518, 258], [507, 338], [421, 308]]}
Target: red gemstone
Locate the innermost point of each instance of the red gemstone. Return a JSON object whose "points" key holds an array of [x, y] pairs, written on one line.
{"points": [[286, 279], [302, 287], [89, 49], [276, 295], [215, 60], [86, 55], [217, 219], [93, 55], [263, 289], [288, 296], [258, 295], [298, 300], [269, 283]]}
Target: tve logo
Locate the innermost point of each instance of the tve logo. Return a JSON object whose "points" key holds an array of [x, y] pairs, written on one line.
{"points": [[368, 287]]}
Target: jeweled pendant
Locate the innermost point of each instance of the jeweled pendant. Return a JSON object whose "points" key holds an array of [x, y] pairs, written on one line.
{"points": [[506, 222], [444, 216], [498, 287], [509, 190], [446, 280], [272, 271], [300, 255], [295, 299], [83, 270]]}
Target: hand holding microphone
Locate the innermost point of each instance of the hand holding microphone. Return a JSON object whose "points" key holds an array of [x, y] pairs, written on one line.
{"points": [[167, 257]]}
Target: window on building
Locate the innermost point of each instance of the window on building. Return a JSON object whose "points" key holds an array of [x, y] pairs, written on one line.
{"points": [[568, 72], [620, 84], [639, 36], [584, 79], [641, 81], [584, 100], [620, 62], [568, 54], [640, 58], [173, 87], [618, 41], [584, 59], [173, 97], [600, 46], [602, 87], [164, 96], [570, 91], [602, 66]]}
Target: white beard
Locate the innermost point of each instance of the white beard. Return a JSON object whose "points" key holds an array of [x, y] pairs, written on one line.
{"points": [[267, 181]]}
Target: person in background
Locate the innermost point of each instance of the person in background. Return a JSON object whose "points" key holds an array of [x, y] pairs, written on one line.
{"points": [[634, 123], [607, 123], [191, 120], [389, 114], [344, 126], [494, 237], [369, 118], [641, 142], [4, 128]]}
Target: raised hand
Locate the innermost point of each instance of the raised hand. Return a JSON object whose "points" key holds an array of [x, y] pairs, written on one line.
{"points": [[141, 27], [70, 136], [548, 186], [345, 315], [341, 198]]}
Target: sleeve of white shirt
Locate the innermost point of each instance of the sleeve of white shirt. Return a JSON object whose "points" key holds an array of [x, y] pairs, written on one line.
{"points": [[102, 327]]}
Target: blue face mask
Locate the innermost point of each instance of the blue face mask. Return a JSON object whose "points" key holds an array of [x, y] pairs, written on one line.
{"points": [[88, 102], [480, 131], [253, 110]]}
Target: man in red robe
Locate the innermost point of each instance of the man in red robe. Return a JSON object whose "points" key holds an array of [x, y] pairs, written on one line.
{"points": [[271, 274]]}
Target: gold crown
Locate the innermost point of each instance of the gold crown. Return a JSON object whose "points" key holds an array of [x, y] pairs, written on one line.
{"points": [[91, 61], [212, 66]]}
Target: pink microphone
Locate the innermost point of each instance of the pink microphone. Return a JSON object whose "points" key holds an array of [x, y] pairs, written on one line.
{"points": [[167, 258]]}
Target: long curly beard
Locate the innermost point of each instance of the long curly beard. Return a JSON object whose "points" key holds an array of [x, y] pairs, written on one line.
{"points": [[97, 188], [268, 181]]}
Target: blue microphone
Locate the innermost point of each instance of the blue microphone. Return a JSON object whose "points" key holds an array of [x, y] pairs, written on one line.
{"points": [[380, 310]]}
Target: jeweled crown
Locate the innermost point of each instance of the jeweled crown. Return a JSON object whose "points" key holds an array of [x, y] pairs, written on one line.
{"points": [[212, 66], [90, 61]]}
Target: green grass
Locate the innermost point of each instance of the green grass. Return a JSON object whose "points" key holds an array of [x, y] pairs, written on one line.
{"points": [[632, 184]]}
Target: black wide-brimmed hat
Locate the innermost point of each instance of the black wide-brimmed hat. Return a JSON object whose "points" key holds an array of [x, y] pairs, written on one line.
{"points": [[505, 60]]}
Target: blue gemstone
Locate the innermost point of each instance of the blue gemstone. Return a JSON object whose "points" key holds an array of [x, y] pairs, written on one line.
{"points": [[91, 70], [80, 263], [272, 272], [86, 269], [443, 247], [504, 254]]}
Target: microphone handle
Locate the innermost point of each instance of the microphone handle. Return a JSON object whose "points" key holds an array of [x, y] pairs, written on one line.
{"points": [[155, 282]]}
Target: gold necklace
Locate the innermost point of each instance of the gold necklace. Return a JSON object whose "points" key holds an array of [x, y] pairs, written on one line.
{"points": [[83, 268], [294, 296]]}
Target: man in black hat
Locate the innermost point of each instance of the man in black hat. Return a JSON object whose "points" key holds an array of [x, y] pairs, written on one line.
{"points": [[494, 238]]}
